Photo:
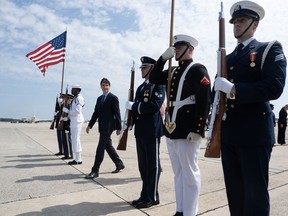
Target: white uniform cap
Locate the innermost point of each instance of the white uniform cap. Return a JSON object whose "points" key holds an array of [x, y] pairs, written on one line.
{"points": [[246, 8], [185, 39], [76, 86]]}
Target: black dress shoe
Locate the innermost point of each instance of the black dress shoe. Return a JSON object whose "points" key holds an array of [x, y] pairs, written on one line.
{"points": [[92, 175], [118, 168], [147, 204], [136, 202], [74, 162], [59, 153], [65, 158], [178, 214]]}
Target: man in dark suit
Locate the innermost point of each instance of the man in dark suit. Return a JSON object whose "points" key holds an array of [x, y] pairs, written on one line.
{"points": [[247, 133], [108, 114], [148, 131]]}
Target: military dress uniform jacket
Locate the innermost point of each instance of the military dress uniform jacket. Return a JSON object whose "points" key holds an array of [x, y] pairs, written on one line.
{"points": [[249, 115], [107, 113], [196, 85], [75, 111], [66, 124], [146, 110]]}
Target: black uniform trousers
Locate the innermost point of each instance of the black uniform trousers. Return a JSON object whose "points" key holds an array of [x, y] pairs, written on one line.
{"points": [[244, 180], [67, 144], [149, 166], [281, 133], [59, 139], [105, 143]]}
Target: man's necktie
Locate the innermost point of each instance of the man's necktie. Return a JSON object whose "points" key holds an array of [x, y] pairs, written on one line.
{"points": [[144, 85], [103, 98], [239, 49]]}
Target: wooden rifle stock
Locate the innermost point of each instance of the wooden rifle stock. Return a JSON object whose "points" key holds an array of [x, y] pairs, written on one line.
{"points": [[55, 116], [127, 123], [219, 107]]}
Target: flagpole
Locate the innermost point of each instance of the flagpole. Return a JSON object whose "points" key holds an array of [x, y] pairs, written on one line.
{"points": [[62, 77], [63, 64], [170, 60]]}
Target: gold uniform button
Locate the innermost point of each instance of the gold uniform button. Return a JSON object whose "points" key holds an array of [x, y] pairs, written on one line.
{"points": [[231, 68], [171, 96], [172, 90], [232, 80], [232, 106], [264, 113]]}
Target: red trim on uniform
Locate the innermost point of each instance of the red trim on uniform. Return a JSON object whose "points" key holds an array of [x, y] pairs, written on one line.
{"points": [[205, 81]]}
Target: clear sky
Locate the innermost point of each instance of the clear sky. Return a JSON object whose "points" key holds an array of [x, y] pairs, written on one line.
{"points": [[103, 38]]}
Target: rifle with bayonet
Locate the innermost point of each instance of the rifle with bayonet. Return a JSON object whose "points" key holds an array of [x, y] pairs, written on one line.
{"points": [[127, 122], [219, 103]]}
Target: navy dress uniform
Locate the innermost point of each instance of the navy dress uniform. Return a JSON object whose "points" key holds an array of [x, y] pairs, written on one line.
{"points": [[148, 131], [76, 117], [189, 105], [247, 133]]}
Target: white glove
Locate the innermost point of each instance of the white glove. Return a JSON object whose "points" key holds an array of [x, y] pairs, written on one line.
{"points": [[65, 110], [193, 137], [129, 105], [55, 113], [222, 84], [169, 53]]}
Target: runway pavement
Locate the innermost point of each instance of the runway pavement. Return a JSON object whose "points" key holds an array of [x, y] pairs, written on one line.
{"points": [[36, 182]]}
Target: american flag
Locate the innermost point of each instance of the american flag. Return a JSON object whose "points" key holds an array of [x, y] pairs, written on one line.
{"points": [[50, 53]]}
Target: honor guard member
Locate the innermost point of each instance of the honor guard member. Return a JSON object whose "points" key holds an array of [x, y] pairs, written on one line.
{"points": [[65, 129], [256, 75], [148, 131], [282, 124], [189, 105], [76, 122], [57, 116]]}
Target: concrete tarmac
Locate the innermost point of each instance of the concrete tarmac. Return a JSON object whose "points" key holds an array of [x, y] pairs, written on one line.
{"points": [[36, 182]]}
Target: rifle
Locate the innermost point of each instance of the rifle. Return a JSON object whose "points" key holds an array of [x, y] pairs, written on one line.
{"points": [[219, 103], [127, 123], [55, 115]]}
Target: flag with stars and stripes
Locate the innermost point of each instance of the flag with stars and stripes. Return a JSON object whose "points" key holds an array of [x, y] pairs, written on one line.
{"points": [[50, 53]]}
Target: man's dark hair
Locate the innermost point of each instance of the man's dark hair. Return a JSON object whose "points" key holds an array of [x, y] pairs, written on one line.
{"points": [[105, 80]]}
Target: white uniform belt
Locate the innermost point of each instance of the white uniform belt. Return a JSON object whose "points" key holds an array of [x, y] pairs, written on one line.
{"points": [[187, 101]]}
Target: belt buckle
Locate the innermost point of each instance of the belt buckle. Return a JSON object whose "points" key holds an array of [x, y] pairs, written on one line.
{"points": [[170, 126]]}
